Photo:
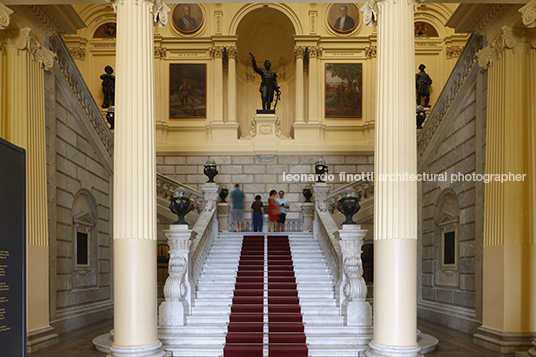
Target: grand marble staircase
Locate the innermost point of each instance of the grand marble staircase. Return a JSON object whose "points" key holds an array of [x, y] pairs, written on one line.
{"points": [[205, 331]]}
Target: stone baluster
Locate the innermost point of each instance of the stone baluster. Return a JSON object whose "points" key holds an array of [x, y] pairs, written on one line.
{"points": [[353, 289], [176, 307]]}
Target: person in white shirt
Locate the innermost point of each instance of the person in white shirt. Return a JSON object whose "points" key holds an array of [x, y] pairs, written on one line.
{"points": [[282, 203], [345, 22]]}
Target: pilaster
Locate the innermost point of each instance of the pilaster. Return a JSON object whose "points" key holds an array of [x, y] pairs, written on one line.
{"points": [[24, 125], [134, 196], [299, 53], [314, 89], [395, 219], [217, 54], [232, 53], [508, 244]]}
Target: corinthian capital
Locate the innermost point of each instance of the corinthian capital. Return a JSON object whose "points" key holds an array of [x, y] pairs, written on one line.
{"points": [[23, 40], [529, 14], [5, 14]]}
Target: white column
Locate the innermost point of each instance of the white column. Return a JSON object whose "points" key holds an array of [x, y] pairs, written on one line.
{"points": [[217, 53], [314, 115], [134, 195], [231, 84], [24, 125], [299, 52], [395, 210]]}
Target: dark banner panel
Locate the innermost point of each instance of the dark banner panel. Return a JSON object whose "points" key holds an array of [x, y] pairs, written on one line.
{"points": [[12, 250]]}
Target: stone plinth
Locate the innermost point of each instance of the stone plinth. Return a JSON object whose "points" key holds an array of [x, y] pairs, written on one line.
{"points": [[355, 310], [223, 214], [308, 211], [176, 307], [265, 141]]}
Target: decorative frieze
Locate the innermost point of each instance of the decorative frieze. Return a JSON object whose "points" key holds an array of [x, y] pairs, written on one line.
{"points": [[218, 14], [78, 52], [370, 52], [312, 19], [5, 16], [454, 51], [160, 52], [529, 14]]}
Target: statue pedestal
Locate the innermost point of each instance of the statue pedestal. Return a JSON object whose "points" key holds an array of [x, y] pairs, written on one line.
{"points": [[265, 141]]}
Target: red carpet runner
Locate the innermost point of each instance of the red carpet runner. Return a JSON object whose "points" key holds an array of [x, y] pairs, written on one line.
{"points": [[274, 289]]}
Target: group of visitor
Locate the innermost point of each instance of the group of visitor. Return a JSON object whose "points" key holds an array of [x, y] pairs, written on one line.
{"points": [[276, 210]]}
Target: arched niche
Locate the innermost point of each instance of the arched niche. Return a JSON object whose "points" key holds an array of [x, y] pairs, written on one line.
{"points": [[267, 32]]}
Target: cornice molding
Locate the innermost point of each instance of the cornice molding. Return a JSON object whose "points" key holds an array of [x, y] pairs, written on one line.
{"points": [[494, 51], [5, 16], [158, 8], [23, 40], [529, 14], [490, 17], [43, 20]]}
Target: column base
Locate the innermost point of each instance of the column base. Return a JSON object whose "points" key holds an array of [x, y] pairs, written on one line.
{"points": [[41, 338], [393, 351], [154, 350], [503, 342]]}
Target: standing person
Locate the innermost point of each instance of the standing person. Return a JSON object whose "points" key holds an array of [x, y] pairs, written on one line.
{"points": [[282, 203], [273, 212], [257, 209], [237, 204]]}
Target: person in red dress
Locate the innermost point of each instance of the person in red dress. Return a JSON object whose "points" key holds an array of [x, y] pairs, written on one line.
{"points": [[273, 212]]}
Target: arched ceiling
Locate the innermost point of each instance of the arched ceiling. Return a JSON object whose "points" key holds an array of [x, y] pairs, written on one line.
{"points": [[268, 34]]}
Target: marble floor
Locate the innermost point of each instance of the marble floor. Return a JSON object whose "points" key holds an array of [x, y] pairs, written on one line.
{"points": [[451, 343]]}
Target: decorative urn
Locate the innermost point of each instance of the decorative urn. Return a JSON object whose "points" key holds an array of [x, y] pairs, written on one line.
{"points": [[349, 205], [321, 170], [307, 193], [180, 205], [223, 193], [211, 169]]}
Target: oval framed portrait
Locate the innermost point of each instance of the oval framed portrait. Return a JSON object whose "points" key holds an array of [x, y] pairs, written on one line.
{"points": [[188, 18], [343, 18]]}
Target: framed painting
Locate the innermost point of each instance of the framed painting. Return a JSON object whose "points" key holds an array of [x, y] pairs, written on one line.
{"points": [[187, 90], [344, 90], [343, 18], [188, 18]]}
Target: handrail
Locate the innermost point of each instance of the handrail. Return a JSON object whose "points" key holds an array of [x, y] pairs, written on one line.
{"points": [[326, 231], [165, 187], [204, 233], [81, 91], [450, 90]]}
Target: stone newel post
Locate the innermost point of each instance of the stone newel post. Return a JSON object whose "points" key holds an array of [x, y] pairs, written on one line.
{"points": [[353, 289], [223, 215], [177, 306], [308, 211]]}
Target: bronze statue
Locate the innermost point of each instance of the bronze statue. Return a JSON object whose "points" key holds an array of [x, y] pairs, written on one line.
{"points": [[108, 87], [422, 81], [268, 84]]}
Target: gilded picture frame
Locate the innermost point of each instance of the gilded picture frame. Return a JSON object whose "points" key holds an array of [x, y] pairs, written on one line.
{"points": [[187, 18], [343, 18], [187, 90], [344, 90]]}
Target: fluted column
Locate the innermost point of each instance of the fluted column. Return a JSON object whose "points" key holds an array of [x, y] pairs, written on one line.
{"points": [[232, 52], [134, 195], [395, 211], [314, 93], [217, 53], [508, 244], [299, 52], [24, 125]]}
